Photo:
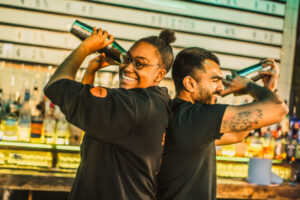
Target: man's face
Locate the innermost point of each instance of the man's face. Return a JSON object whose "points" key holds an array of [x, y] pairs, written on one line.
{"points": [[208, 83], [147, 55]]}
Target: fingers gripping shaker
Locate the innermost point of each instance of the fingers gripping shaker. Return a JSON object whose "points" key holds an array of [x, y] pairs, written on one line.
{"points": [[83, 31], [252, 72]]}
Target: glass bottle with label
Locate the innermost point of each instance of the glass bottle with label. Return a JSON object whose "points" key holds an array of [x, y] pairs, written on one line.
{"points": [[25, 119], [291, 150], [2, 115], [280, 147], [36, 117], [294, 124], [49, 125], [254, 146], [62, 129], [11, 120], [268, 145]]}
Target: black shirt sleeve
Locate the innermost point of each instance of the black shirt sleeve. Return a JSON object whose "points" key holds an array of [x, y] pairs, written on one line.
{"points": [[101, 118], [206, 121]]}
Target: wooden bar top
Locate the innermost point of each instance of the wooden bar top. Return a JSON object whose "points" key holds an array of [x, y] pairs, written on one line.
{"points": [[62, 182], [231, 188]]}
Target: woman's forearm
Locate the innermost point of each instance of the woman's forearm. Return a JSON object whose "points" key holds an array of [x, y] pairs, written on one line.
{"points": [[89, 77], [69, 67]]}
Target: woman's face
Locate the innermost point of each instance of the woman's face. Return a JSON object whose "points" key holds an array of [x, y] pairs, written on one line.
{"points": [[143, 67]]}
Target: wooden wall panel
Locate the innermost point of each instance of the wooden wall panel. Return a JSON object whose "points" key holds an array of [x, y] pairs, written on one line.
{"points": [[240, 32]]}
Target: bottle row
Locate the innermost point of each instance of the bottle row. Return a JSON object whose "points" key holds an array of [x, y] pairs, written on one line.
{"points": [[268, 142], [35, 120]]}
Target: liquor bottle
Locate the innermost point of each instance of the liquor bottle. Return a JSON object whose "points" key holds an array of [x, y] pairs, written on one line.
{"points": [[2, 115], [49, 124], [228, 150], [36, 117], [252, 72], [294, 124], [34, 101], [25, 119], [268, 145], [11, 120], [280, 147], [285, 124], [291, 150], [297, 153], [254, 146], [62, 129], [83, 31], [36, 126]]}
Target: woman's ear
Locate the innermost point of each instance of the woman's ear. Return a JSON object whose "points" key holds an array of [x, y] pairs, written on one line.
{"points": [[189, 84], [160, 75]]}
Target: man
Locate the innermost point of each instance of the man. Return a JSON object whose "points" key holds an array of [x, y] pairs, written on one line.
{"points": [[188, 169], [124, 127]]}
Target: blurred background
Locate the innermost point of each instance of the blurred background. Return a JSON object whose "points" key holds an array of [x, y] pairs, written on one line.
{"points": [[39, 150]]}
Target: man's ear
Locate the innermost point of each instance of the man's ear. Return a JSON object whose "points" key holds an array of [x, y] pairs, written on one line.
{"points": [[160, 75], [189, 84]]}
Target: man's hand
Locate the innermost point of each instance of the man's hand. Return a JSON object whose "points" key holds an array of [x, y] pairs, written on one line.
{"points": [[98, 40], [237, 85], [270, 79]]}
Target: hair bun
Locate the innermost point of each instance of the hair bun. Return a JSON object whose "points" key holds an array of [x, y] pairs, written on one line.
{"points": [[167, 35]]}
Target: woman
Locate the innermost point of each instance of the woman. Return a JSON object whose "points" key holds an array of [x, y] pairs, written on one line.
{"points": [[121, 150]]}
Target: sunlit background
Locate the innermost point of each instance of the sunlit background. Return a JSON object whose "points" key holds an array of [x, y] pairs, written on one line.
{"points": [[35, 38]]}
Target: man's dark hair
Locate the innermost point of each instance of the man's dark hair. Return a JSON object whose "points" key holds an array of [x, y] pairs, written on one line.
{"points": [[187, 62], [162, 43]]}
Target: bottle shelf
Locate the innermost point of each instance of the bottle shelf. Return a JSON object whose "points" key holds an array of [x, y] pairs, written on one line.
{"points": [[77, 149], [241, 159], [39, 146]]}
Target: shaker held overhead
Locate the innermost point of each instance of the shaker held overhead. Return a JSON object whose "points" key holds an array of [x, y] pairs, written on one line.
{"points": [[83, 31], [252, 72]]}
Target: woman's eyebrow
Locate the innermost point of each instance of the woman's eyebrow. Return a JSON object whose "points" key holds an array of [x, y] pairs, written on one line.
{"points": [[142, 58]]}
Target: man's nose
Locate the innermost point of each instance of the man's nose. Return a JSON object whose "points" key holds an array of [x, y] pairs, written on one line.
{"points": [[220, 86]]}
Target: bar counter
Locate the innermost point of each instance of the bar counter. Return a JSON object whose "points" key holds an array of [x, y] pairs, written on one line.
{"points": [[61, 182]]}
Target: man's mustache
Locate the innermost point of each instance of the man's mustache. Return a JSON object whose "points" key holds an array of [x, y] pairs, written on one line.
{"points": [[217, 93]]}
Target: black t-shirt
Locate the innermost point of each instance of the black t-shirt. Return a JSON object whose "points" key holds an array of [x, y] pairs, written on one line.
{"points": [[122, 147], [188, 169]]}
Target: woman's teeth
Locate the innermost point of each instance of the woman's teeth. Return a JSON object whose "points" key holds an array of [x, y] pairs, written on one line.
{"points": [[126, 78]]}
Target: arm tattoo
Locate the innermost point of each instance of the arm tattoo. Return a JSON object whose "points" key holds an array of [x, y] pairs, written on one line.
{"points": [[243, 121]]}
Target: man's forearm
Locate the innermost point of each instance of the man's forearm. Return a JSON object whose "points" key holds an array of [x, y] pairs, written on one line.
{"points": [[262, 94], [232, 138]]}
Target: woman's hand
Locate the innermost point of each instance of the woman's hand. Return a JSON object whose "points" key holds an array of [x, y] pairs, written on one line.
{"points": [[97, 41], [99, 62]]}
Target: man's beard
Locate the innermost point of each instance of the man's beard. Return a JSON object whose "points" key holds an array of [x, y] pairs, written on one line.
{"points": [[205, 97]]}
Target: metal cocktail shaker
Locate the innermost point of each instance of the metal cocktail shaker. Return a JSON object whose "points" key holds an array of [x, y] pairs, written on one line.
{"points": [[83, 31], [252, 72]]}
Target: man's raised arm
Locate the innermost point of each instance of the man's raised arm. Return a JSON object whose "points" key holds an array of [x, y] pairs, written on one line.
{"points": [[268, 108]]}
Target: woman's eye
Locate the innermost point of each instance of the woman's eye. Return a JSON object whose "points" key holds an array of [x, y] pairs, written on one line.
{"points": [[139, 64]]}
